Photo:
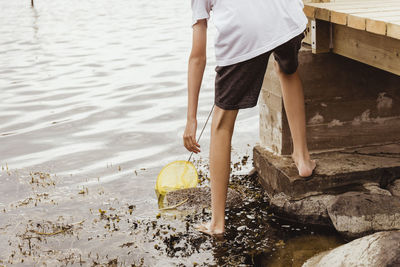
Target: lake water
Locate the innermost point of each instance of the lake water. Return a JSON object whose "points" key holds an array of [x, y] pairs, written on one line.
{"points": [[93, 104]]}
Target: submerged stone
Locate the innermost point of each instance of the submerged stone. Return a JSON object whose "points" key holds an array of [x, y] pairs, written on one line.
{"points": [[377, 250]]}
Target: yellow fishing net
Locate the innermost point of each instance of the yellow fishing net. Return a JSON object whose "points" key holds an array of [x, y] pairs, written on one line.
{"points": [[179, 174]]}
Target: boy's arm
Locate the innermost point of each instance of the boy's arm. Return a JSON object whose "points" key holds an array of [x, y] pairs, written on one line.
{"points": [[197, 63]]}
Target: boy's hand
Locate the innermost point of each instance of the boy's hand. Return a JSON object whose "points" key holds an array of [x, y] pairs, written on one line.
{"points": [[189, 136]]}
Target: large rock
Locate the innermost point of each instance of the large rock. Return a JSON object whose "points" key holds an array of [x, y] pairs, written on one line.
{"points": [[310, 210], [353, 214], [198, 198], [356, 213], [337, 171], [377, 250]]}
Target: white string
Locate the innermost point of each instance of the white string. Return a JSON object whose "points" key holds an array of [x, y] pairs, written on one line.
{"points": [[198, 140]]}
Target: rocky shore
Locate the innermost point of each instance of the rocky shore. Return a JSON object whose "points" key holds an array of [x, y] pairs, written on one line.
{"points": [[355, 191]]}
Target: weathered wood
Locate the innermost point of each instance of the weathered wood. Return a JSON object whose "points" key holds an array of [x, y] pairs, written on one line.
{"points": [[339, 15], [370, 15], [393, 29], [274, 128], [356, 22], [348, 103], [375, 22], [372, 49]]}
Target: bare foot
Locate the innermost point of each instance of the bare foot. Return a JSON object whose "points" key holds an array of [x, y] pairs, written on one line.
{"points": [[305, 166], [208, 230]]}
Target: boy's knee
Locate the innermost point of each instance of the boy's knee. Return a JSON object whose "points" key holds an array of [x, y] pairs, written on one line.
{"points": [[224, 119]]}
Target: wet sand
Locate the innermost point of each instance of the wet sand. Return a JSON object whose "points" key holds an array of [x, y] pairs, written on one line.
{"points": [[93, 102]]}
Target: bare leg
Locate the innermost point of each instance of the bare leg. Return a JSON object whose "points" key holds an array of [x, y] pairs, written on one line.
{"points": [[222, 126], [293, 98]]}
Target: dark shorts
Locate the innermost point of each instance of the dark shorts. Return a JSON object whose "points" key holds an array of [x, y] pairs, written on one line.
{"points": [[238, 86]]}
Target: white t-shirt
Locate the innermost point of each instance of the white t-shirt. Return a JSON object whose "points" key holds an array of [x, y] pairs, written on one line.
{"points": [[248, 28]]}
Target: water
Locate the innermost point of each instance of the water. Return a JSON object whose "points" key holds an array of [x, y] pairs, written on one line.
{"points": [[93, 104]]}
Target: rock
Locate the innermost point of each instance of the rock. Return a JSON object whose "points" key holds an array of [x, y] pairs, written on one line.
{"points": [[337, 172], [355, 213], [199, 198], [377, 250], [374, 188], [394, 188], [241, 228], [311, 210]]}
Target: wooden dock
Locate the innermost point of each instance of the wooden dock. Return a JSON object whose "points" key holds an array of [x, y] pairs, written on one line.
{"points": [[364, 30], [380, 17], [350, 73]]}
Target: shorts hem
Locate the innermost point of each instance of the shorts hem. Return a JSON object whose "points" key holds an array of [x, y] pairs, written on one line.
{"points": [[287, 71], [290, 72], [234, 107]]}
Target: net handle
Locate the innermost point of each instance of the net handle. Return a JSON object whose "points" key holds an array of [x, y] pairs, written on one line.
{"points": [[202, 130]]}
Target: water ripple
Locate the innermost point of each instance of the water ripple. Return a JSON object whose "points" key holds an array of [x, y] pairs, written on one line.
{"points": [[86, 85]]}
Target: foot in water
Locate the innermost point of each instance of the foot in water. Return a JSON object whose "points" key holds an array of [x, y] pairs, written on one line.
{"points": [[208, 230], [305, 165]]}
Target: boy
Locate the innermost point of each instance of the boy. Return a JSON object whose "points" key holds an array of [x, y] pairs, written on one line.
{"points": [[248, 32]]}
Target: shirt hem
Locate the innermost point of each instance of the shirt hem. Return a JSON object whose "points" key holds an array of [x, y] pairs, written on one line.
{"points": [[264, 49]]}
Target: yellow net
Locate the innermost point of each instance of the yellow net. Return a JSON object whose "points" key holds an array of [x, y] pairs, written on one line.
{"points": [[179, 174]]}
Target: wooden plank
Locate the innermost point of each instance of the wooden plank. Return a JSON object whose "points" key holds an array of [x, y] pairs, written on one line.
{"points": [[374, 21], [339, 15], [309, 11], [393, 29], [350, 3], [372, 49], [354, 4], [349, 13], [323, 14], [356, 22], [321, 10], [375, 26], [310, 8], [360, 21]]}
